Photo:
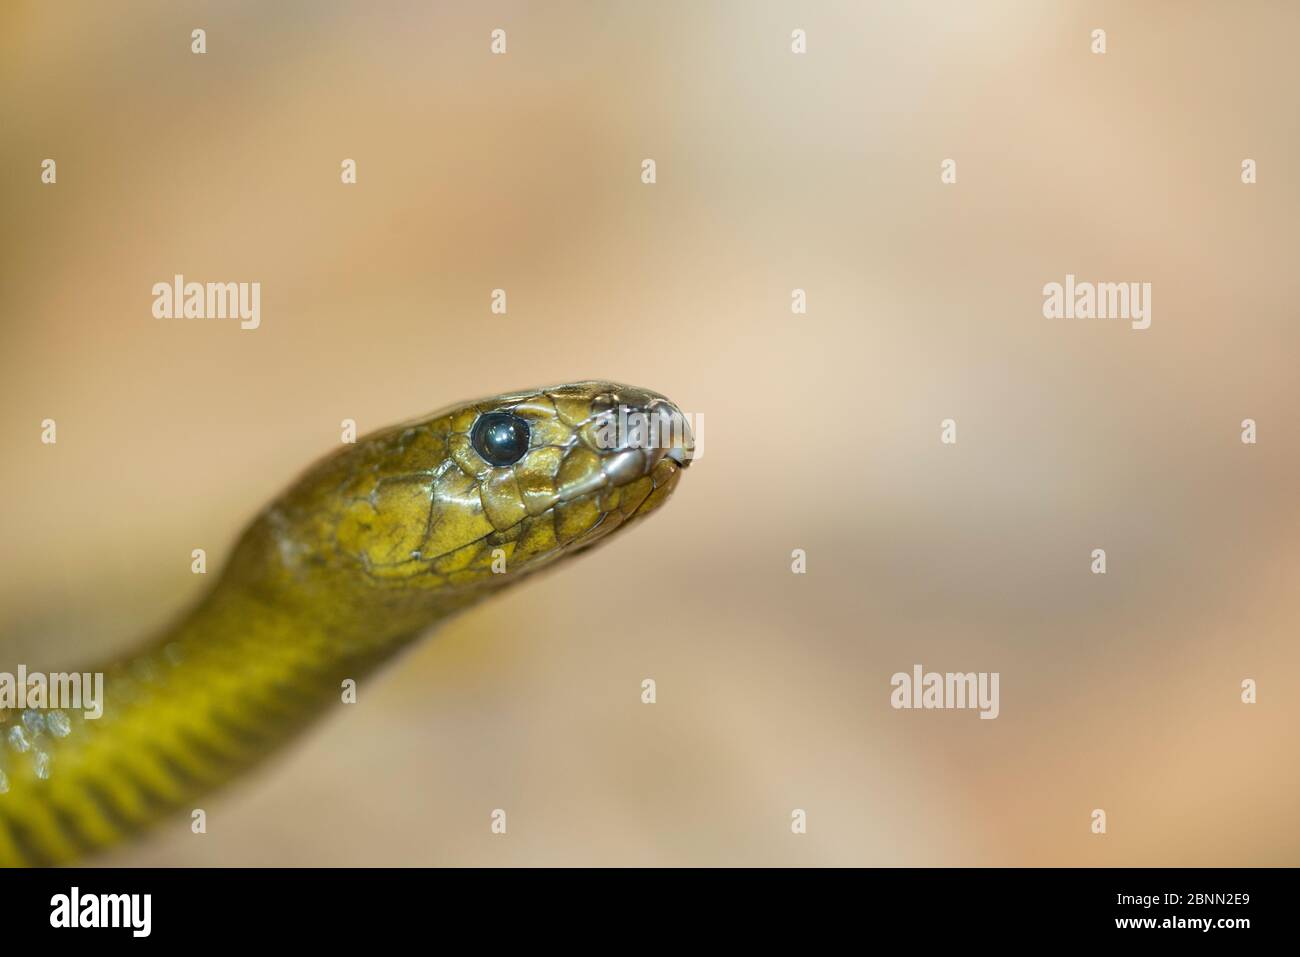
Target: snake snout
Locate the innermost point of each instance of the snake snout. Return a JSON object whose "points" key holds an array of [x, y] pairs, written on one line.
{"points": [[634, 430]]}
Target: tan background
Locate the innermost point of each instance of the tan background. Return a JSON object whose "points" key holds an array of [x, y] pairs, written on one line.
{"points": [[775, 171]]}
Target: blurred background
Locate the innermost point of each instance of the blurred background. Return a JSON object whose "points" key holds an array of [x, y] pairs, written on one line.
{"points": [[775, 172]]}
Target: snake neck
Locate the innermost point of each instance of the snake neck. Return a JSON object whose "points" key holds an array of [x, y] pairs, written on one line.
{"points": [[245, 670]]}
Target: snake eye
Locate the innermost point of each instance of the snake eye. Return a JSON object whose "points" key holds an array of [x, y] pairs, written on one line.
{"points": [[501, 438]]}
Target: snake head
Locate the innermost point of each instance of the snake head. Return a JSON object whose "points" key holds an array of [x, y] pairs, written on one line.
{"points": [[486, 492]]}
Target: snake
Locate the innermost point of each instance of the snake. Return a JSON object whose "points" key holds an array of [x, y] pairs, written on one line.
{"points": [[367, 552]]}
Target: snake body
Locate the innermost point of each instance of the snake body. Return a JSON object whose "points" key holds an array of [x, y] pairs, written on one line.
{"points": [[367, 551]]}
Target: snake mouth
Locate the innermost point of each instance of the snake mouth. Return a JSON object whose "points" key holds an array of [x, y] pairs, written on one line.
{"points": [[624, 468]]}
